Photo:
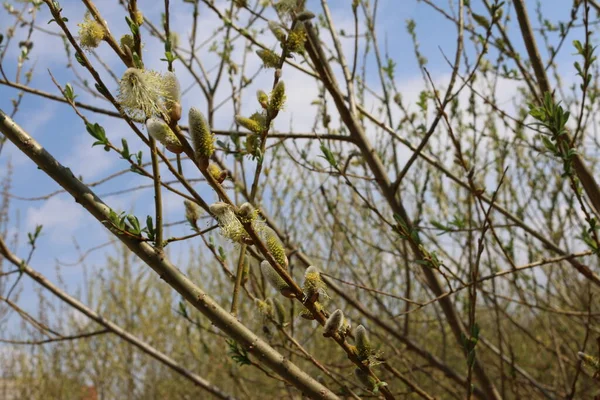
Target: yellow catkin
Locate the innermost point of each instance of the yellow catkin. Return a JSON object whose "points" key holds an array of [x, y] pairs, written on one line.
{"points": [[277, 99], [275, 246], [269, 58], [91, 33]]}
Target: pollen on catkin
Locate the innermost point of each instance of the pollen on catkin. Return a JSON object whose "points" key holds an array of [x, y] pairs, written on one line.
{"points": [[91, 33], [308, 314], [269, 58], [231, 227], [265, 308], [139, 18], [313, 286], [142, 94], [216, 172], [273, 277], [251, 124], [334, 323], [363, 345], [160, 131], [192, 213], [202, 138], [277, 99], [296, 39], [275, 246], [127, 41], [252, 143]]}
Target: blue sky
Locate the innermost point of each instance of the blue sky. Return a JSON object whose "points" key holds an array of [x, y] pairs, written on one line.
{"points": [[57, 128]]}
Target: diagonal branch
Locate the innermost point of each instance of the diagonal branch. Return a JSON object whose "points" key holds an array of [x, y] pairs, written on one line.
{"points": [[162, 266], [112, 327]]}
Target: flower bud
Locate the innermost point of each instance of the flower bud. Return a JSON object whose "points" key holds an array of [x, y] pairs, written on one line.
{"points": [[367, 380], [334, 323], [274, 278], [277, 31], [363, 345], [202, 138], [216, 173], [192, 213], [161, 132]]}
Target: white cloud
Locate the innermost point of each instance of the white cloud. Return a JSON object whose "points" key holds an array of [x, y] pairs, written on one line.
{"points": [[60, 216]]}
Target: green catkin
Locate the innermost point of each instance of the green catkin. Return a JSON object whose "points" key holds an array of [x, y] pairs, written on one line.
{"points": [[127, 41], [279, 312], [249, 123], [251, 143], [334, 323], [203, 140], [277, 99], [367, 380], [265, 308], [275, 246], [216, 173], [91, 33], [313, 285], [307, 314], [296, 39], [269, 58], [192, 213], [160, 131], [273, 277], [363, 345]]}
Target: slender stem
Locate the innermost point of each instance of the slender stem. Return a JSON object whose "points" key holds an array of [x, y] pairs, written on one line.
{"points": [[158, 240], [238, 280]]}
